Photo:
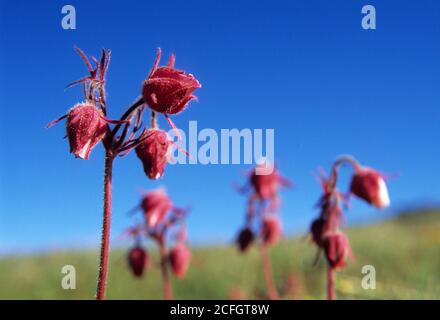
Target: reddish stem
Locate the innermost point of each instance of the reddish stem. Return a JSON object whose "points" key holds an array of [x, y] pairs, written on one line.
{"points": [[105, 240], [268, 276], [330, 283], [167, 290], [338, 163], [153, 120]]}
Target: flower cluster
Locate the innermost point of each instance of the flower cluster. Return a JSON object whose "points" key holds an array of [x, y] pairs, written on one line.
{"points": [[159, 217], [86, 123], [263, 203], [262, 209], [166, 90], [366, 184]]}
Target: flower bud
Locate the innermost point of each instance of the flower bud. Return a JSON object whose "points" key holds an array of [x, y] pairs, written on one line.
{"points": [[155, 205], [168, 90], [138, 260], [245, 239], [266, 185], [370, 186], [337, 250], [179, 258], [271, 230], [86, 127], [317, 229], [153, 151]]}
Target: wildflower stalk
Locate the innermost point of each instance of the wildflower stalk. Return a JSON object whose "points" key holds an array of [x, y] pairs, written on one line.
{"points": [[167, 289], [268, 275], [105, 239], [338, 163], [153, 120], [112, 148], [366, 184], [330, 283], [262, 205], [87, 125]]}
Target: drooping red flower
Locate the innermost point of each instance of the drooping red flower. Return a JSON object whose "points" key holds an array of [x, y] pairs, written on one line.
{"points": [[179, 258], [337, 250], [271, 230], [245, 239], [138, 260], [155, 205], [168, 90], [85, 126], [370, 186], [153, 151], [318, 229], [266, 185]]}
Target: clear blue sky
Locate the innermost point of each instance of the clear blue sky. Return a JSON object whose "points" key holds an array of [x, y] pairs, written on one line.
{"points": [[305, 68]]}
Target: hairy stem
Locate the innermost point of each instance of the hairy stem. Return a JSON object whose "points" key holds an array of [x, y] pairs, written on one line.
{"points": [[330, 283], [105, 240], [167, 289], [127, 115], [338, 163], [153, 120], [272, 292]]}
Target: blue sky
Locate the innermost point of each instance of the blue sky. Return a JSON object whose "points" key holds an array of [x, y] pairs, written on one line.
{"points": [[305, 68]]}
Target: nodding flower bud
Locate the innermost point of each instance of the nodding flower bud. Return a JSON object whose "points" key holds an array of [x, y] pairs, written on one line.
{"points": [[245, 239], [179, 258], [86, 126], [271, 230], [370, 186], [138, 260], [153, 151], [337, 250], [318, 229], [168, 90], [155, 206], [266, 185]]}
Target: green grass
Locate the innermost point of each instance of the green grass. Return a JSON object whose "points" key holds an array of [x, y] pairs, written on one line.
{"points": [[405, 252]]}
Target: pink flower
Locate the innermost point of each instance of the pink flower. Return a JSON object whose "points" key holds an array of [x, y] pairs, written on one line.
{"points": [[266, 185], [153, 151], [271, 230], [370, 186], [168, 90], [156, 204], [245, 239], [179, 259], [86, 126], [138, 260], [337, 250], [318, 229]]}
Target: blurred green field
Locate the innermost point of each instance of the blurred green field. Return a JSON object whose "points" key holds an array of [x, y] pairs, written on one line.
{"points": [[405, 252]]}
